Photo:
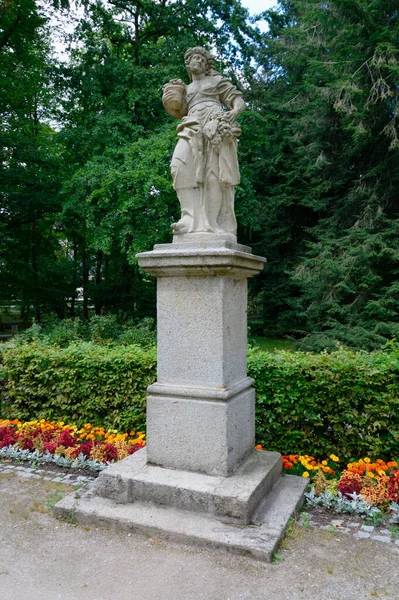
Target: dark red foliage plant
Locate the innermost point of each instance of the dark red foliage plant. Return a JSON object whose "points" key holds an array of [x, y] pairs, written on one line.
{"points": [[66, 439], [349, 483], [8, 436], [393, 486]]}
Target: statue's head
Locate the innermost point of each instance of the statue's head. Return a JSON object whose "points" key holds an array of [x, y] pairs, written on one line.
{"points": [[207, 59]]}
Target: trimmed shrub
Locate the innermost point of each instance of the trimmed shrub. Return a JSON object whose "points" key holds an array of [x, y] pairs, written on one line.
{"points": [[345, 402], [81, 383]]}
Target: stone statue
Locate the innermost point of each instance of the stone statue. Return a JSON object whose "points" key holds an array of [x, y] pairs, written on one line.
{"points": [[204, 164]]}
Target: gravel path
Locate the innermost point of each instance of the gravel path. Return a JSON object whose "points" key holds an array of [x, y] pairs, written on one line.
{"points": [[44, 559]]}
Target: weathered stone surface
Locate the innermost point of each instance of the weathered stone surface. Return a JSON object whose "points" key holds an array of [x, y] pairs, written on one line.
{"points": [[386, 539], [201, 259], [202, 435], [259, 541], [234, 498], [362, 534], [200, 414], [204, 164]]}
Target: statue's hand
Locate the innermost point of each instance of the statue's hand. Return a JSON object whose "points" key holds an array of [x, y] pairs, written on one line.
{"points": [[230, 115], [177, 82]]}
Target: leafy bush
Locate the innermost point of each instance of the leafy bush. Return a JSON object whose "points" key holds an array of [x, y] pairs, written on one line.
{"points": [[81, 383], [344, 402], [100, 329], [143, 334]]}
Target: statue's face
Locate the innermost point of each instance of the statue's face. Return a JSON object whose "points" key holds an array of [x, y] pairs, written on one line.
{"points": [[197, 64]]}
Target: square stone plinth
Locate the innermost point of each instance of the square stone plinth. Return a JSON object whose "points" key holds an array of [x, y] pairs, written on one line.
{"points": [[234, 499], [203, 430]]}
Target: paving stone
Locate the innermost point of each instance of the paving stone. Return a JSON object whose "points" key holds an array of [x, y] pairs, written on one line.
{"points": [[25, 474], [337, 523], [57, 479], [384, 532], [397, 542], [361, 534], [367, 528], [328, 528], [382, 538], [344, 530], [354, 525]]}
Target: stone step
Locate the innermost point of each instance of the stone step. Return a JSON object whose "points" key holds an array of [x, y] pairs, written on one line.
{"points": [[233, 498], [258, 540]]}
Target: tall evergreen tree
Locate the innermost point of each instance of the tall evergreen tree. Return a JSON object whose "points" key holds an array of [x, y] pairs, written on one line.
{"points": [[332, 175]]}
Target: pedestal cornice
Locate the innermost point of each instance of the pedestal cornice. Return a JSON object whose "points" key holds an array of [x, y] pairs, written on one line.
{"points": [[222, 258]]}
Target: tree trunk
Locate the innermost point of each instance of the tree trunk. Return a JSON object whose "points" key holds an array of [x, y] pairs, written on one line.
{"points": [[35, 278], [99, 262], [74, 277], [85, 282]]}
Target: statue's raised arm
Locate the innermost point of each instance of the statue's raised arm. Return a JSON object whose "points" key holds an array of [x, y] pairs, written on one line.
{"points": [[204, 163]]}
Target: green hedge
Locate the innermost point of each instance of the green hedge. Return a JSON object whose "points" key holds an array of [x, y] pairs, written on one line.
{"points": [[345, 402], [79, 384]]}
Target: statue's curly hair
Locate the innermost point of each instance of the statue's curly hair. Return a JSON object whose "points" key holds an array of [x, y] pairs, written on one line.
{"points": [[210, 61]]}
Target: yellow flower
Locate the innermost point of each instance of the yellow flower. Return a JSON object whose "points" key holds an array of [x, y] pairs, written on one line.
{"points": [[324, 462], [367, 460], [334, 458], [305, 474]]}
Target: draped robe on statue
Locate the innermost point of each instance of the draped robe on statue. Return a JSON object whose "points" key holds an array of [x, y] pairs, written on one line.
{"points": [[204, 164]]}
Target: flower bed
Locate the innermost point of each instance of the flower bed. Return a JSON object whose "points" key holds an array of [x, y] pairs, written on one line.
{"points": [[364, 487], [66, 445]]}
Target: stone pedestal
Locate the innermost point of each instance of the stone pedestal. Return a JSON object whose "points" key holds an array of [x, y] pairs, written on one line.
{"points": [[199, 475], [201, 410]]}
